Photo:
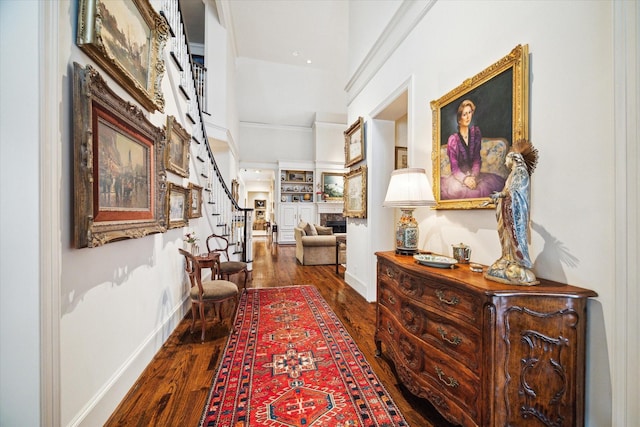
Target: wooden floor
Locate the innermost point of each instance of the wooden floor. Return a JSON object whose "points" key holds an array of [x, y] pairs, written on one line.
{"points": [[173, 388]]}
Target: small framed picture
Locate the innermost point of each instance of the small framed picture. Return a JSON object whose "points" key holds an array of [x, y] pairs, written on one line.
{"points": [[401, 158], [354, 143], [259, 204], [296, 198], [195, 195], [355, 193], [177, 205]]}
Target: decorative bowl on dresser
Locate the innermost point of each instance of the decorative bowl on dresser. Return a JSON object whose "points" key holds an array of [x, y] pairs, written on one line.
{"points": [[484, 353]]}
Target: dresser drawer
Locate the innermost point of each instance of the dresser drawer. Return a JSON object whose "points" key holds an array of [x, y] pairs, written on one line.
{"points": [[454, 338], [454, 301]]}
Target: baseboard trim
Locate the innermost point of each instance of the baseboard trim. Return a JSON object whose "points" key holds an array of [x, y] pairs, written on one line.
{"points": [[98, 410]]}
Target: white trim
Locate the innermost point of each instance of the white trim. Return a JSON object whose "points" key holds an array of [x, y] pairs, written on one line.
{"points": [[624, 366], [50, 180], [406, 18]]}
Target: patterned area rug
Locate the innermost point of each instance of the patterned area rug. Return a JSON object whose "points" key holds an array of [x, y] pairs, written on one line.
{"points": [[290, 362]]}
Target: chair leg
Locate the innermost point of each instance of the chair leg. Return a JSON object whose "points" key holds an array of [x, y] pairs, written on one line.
{"points": [[193, 316], [246, 273], [202, 320]]}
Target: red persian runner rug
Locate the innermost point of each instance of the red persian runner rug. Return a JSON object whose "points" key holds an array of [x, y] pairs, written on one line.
{"points": [[290, 362]]}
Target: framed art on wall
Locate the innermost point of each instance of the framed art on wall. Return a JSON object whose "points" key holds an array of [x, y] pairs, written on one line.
{"points": [[354, 143], [332, 186], [401, 158], [474, 126], [195, 199], [177, 152], [259, 203], [355, 193], [126, 38], [119, 175], [178, 204]]}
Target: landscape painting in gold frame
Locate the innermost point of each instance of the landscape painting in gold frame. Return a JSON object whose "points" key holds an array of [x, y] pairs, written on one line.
{"points": [[178, 205], [177, 152], [126, 38], [355, 193], [119, 176], [473, 128]]}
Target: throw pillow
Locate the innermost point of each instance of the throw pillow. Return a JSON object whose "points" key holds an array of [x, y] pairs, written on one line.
{"points": [[310, 229], [324, 231], [302, 225]]}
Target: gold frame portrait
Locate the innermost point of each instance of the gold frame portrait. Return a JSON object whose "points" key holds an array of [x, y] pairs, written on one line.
{"points": [[119, 176], [134, 58], [195, 200], [178, 206], [355, 193], [177, 152], [500, 94], [354, 143]]}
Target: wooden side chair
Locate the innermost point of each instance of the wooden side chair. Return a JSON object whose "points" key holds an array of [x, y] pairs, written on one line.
{"points": [[228, 268], [209, 291]]}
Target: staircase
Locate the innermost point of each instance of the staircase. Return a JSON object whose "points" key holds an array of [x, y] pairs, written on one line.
{"points": [[221, 208]]}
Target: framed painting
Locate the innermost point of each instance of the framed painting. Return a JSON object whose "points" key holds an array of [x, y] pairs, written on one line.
{"points": [[355, 193], [178, 206], [332, 186], [177, 153], [401, 158], [474, 126], [260, 204], [195, 199], [119, 176], [126, 38], [354, 143]]}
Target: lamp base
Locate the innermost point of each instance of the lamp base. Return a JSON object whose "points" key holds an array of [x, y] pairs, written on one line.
{"points": [[406, 251]]}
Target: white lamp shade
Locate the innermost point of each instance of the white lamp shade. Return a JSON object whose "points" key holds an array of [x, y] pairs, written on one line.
{"points": [[408, 188]]}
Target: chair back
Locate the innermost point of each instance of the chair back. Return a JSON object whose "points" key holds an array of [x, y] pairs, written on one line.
{"points": [[192, 267], [217, 243]]}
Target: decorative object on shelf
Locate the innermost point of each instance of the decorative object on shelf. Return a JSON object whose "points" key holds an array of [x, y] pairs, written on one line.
{"points": [[462, 253], [195, 197], [177, 206], [283, 198], [119, 175], [464, 117], [408, 189], [306, 197], [177, 152], [435, 260], [355, 193], [476, 268], [401, 158], [354, 143], [333, 185], [192, 241], [127, 39], [512, 212]]}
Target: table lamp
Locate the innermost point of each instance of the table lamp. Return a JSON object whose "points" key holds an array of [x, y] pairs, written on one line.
{"points": [[408, 189]]}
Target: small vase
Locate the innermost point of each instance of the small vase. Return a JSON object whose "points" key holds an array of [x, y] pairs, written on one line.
{"points": [[195, 250]]}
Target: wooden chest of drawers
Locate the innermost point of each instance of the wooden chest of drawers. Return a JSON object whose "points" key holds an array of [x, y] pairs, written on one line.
{"points": [[484, 353]]}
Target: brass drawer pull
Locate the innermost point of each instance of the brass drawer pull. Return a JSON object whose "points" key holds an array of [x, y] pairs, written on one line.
{"points": [[449, 382], [391, 300], [452, 301], [455, 341], [390, 273]]}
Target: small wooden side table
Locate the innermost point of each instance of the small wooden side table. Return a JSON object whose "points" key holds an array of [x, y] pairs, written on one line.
{"points": [[210, 260]]}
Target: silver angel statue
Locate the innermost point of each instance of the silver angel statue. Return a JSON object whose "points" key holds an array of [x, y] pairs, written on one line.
{"points": [[512, 213]]}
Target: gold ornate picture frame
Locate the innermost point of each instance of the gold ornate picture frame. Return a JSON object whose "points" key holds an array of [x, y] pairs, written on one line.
{"points": [[354, 143], [119, 176], [355, 193], [177, 152], [333, 186], [178, 205], [126, 38], [195, 200], [497, 100]]}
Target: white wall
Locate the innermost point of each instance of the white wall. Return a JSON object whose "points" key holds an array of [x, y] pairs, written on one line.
{"points": [[20, 270], [571, 124]]}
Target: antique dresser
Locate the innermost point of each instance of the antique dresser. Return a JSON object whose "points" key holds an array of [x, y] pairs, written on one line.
{"points": [[484, 353]]}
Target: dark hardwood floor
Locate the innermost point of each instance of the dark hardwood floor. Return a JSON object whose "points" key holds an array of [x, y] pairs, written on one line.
{"points": [[174, 387]]}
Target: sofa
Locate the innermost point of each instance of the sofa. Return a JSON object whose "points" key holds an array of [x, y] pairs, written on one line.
{"points": [[316, 245]]}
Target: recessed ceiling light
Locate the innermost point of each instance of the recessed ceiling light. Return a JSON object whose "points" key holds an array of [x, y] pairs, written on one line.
{"points": [[295, 53], [308, 61]]}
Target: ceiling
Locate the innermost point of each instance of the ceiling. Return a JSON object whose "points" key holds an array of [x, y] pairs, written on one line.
{"points": [[308, 36]]}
